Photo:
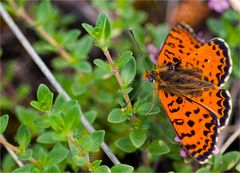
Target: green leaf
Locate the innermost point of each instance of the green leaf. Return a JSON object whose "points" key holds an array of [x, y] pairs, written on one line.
{"points": [[42, 122], [21, 3], [43, 48], [217, 27], [158, 33], [144, 169], [72, 116], [26, 169], [128, 72], [91, 116], [70, 36], [158, 147], [138, 137], [59, 102], [55, 169], [238, 167], [96, 163], [84, 66], [50, 138], [101, 64], [203, 170], [89, 29], [147, 109], [23, 90], [229, 160], [28, 117], [56, 122], [103, 30], [56, 155], [126, 90], [180, 167], [7, 163], [86, 142], [78, 88], [102, 169], [25, 155], [125, 144], [122, 168], [117, 116], [98, 137], [44, 99], [78, 160], [3, 123], [217, 160], [83, 47], [23, 136], [123, 59], [231, 15]]}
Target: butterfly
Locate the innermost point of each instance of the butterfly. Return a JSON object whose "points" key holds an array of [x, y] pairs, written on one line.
{"points": [[188, 78]]}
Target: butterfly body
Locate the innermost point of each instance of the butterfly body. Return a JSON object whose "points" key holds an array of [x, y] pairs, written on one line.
{"points": [[178, 81], [188, 79]]}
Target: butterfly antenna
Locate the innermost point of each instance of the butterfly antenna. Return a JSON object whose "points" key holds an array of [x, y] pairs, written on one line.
{"points": [[138, 90], [135, 40]]}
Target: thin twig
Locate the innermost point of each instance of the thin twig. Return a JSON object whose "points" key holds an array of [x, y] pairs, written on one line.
{"points": [[25, 43], [22, 13], [230, 140], [79, 149], [11, 150], [119, 79]]}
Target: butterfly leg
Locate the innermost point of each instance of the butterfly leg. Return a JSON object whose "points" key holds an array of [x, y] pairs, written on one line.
{"points": [[153, 94]]}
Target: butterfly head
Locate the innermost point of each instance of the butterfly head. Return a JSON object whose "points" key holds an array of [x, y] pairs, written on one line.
{"points": [[149, 75]]}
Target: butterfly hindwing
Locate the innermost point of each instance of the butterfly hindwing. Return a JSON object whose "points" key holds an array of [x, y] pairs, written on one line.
{"points": [[218, 101], [196, 126]]}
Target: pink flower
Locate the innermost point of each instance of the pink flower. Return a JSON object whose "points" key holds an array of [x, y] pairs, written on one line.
{"points": [[183, 153], [218, 5], [153, 52], [177, 139]]}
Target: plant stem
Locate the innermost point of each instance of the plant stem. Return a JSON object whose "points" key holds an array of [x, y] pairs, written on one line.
{"points": [[12, 149], [21, 12], [42, 66], [5, 143], [230, 140], [119, 79], [79, 149], [35, 162]]}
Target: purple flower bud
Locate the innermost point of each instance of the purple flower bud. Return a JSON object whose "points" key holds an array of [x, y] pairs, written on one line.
{"points": [[153, 53], [177, 139], [183, 153], [218, 5]]}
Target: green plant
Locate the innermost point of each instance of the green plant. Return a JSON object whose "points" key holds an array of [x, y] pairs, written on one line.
{"points": [[51, 136]]}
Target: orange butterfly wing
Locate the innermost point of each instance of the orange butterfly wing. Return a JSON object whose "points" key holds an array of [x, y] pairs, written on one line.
{"points": [[213, 58], [196, 126], [215, 62], [218, 101], [181, 42]]}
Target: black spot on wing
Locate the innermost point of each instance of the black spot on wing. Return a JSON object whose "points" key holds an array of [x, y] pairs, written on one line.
{"points": [[196, 111], [179, 100], [190, 123]]}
